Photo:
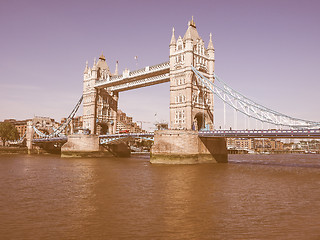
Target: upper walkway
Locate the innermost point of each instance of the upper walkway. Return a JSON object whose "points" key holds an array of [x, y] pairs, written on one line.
{"points": [[147, 76]]}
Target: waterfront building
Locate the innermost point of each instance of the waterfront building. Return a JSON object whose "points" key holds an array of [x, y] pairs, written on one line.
{"points": [[74, 126], [21, 125], [240, 143], [44, 124], [262, 145], [125, 123]]}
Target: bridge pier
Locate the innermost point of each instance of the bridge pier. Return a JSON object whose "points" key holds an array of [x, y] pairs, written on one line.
{"points": [[80, 145], [186, 147], [29, 136]]}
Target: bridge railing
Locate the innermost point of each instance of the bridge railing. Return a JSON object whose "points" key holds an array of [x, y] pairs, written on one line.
{"points": [[121, 137], [140, 82], [62, 138], [160, 66], [271, 133]]}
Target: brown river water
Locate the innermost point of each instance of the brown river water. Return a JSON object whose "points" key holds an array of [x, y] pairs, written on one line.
{"points": [[251, 197]]}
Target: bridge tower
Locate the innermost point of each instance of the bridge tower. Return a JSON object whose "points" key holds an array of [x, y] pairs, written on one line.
{"points": [[191, 104], [99, 106]]}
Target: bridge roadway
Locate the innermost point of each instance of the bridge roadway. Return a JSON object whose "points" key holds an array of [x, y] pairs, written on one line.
{"points": [[147, 76], [273, 133], [307, 133], [50, 139], [116, 138]]}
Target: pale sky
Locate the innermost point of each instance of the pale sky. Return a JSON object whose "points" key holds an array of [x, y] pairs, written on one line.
{"points": [[267, 50]]}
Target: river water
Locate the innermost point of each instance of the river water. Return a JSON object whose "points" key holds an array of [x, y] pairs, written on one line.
{"points": [[251, 197]]}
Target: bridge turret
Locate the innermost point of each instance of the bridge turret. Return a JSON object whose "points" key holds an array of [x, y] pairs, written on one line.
{"points": [[90, 97], [86, 68], [190, 35], [172, 49], [173, 38], [94, 70], [103, 68], [211, 57]]}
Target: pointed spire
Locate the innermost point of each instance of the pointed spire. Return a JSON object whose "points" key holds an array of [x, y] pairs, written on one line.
{"points": [[188, 34], [94, 65], [192, 23], [191, 32], [102, 57], [210, 45], [86, 68], [116, 71], [173, 38]]}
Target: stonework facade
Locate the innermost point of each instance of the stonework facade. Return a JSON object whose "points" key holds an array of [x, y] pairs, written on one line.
{"points": [[191, 104], [186, 147], [99, 106]]}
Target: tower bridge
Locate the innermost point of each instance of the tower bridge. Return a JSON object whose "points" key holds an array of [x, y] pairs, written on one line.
{"points": [[191, 103], [192, 136]]}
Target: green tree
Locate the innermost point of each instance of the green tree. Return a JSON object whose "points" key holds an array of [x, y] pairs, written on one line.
{"points": [[8, 132]]}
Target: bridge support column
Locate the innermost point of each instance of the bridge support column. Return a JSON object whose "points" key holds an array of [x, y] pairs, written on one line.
{"points": [[29, 136], [186, 147], [80, 145]]}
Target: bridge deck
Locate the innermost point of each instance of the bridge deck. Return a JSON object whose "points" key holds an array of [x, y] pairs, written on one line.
{"points": [[301, 134], [307, 133]]}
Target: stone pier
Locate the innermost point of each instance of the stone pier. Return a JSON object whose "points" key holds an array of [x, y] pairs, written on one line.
{"points": [[186, 147], [81, 145], [29, 136]]}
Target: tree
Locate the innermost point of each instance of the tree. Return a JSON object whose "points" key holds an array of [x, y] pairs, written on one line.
{"points": [[8, 132]]}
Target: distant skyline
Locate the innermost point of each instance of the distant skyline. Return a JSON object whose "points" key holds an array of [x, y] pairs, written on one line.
{"points": [[267, 50]]}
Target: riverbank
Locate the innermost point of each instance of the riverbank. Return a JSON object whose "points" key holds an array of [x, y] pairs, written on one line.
{"points": [[13, 150], [22, 150]]}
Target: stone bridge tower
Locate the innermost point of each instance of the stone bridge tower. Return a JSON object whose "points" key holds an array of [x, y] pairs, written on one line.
{"points": [[99, 106], [191, 104]]}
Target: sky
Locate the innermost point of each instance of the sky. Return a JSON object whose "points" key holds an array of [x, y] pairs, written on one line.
{"points": [[266, 49]]}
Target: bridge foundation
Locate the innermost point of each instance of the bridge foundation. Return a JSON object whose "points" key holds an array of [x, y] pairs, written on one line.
{"points": [[80, 145], [186, 147], [29, 136]]}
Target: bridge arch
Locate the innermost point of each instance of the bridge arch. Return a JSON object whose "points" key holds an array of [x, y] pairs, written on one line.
{"points": [[199, 121]]}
